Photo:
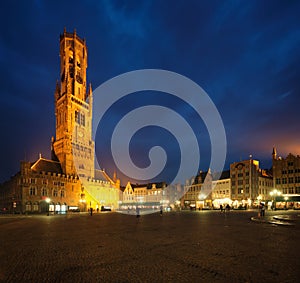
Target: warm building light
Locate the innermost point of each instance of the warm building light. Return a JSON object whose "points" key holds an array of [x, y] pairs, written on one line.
{"points": [[275, 193], [201, 196]]}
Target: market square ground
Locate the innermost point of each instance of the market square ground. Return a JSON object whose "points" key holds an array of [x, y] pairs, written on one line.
{"points": [[197, 246]]}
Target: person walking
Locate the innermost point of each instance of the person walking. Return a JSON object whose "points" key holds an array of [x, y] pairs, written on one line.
{"points": [[137, 212], [259, 210], [263, 208], [161, 210], [221, 207], [227, 207]]}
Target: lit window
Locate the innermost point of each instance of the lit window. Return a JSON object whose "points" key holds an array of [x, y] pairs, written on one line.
{"points": [[28, 207], [32, 191]]}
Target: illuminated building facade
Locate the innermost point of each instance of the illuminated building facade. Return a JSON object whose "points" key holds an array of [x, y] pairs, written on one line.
{"points": [[147, 195], [244, 181], [197, 194], [173, 194], [265, 185], [286, 177], [73, 109], [244, 185], [69, 181], [249, 183], [221, 190]]}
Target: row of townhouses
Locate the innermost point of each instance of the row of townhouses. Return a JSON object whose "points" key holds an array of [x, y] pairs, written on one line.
{"points": [[247, 185]]}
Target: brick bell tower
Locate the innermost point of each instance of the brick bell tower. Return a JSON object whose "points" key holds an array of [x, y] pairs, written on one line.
{"points": [[73, 145]]}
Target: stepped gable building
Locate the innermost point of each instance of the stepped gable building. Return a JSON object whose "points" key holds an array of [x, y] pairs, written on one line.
{"points": [[286, 177], [193, 189], [69, 180], [151, 195]]}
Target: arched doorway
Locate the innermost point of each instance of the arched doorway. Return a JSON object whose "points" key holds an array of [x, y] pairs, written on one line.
{"points": [[28, 207]]}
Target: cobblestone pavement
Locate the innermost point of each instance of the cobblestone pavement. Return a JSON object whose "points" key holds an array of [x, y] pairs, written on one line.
{"points": [[198, 246]]}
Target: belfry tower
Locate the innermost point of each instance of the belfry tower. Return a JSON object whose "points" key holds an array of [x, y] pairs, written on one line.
{"points": [[73, 145]]}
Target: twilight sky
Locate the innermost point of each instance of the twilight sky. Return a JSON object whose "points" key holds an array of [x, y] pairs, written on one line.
{"points": [[244, 54]]}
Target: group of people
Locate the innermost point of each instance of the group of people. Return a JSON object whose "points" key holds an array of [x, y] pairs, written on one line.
{"points": [[224, 209]]}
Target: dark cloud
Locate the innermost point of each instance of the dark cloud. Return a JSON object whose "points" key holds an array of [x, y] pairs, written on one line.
{"points": [[244, 54]]}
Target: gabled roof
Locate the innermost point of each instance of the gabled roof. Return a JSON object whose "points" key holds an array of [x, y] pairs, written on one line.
{"points": [[158, 185], [199, 179], [102, 175], [266, 173], [225, 175], [46, 165]]}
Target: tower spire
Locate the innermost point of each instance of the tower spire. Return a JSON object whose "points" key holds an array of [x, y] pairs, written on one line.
{"points": [[274, 153]]}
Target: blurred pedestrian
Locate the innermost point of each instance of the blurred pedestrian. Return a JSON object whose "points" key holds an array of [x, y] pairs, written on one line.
{"points": [[260, 210], [221, 207], [263, 209], [161, 210], [137, 212]]}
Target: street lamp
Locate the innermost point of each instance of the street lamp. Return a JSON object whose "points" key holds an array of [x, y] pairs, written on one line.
{"points": [[273, 194]]}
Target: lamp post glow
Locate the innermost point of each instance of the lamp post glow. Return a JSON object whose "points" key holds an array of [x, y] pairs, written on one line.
{"points": [[273, 194]]}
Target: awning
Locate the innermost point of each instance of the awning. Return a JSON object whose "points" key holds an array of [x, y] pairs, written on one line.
{"points": [[287, 198]]}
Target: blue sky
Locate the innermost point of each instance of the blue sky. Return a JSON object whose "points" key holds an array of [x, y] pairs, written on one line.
{"points": [[244, 54]]}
